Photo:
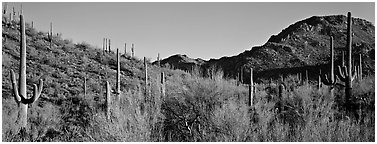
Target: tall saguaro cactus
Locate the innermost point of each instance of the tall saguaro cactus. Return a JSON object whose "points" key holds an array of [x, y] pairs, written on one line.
{"points": [[345, 73], [20, 92], [330, 80], [251, 88]]}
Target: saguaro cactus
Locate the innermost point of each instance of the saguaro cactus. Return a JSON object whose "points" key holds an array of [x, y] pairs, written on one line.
{"points": [[132, 50], [146, 76], [20, 92], [105, 45], [125, 49], [251, 88], [163, 84], [330, 81], [345, 73], [109, 46], [158, 60], [108, 100]]}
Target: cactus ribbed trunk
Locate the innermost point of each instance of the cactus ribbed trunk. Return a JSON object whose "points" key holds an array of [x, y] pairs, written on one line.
{"points": [[251, 88], [22, 74], [108, 100]]}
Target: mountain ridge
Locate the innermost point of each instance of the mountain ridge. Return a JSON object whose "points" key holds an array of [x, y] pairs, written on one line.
{"points": [[302, 44]]}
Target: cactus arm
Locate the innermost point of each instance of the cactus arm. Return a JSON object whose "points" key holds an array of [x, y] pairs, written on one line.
{"points": [[37, 90], [37, 93], [341, 75], [15, 88]]}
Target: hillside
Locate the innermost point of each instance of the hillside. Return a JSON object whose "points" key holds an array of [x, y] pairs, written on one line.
{"points": [[302, 46]]}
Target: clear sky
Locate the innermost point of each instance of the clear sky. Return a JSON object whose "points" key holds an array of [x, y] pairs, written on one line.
{"points": [[199, 30]]}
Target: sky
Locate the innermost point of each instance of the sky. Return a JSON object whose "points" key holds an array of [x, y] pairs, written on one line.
{"points": [[199, 30]]}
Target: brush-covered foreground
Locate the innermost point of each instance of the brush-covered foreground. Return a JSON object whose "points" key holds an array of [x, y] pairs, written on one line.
{"points": [[202, 109]]}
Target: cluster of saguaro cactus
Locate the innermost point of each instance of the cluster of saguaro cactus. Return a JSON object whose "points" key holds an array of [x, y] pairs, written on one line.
{"points": [[106, 44], [346, 74], [20, 92], [108, 88], [325, 78]]}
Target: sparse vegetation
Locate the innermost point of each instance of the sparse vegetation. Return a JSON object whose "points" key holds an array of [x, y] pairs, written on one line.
{"points": [[194, 108]]}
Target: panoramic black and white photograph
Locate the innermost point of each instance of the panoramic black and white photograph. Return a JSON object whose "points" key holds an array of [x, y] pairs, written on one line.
{"points": [[128, 71]]}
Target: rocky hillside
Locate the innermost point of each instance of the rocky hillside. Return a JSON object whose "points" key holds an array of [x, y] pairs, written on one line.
{"points": [[302, 46], [64, 65]]}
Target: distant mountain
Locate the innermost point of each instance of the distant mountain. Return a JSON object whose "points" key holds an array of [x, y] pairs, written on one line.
{"points": [[302, 46], [181, 62]]}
